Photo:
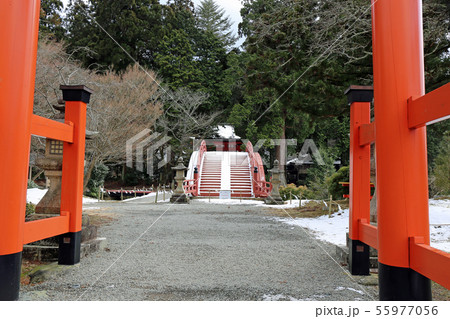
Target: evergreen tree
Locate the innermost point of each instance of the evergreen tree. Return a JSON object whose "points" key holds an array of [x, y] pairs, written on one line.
{"points": [[211, 19], [306, 53], [50, 20], [175, 61], [118, 32]]}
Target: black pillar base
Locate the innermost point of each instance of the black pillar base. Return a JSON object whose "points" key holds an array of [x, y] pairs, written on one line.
{"points": [[10, 270], [359, 258], [179, 199], [69, 248], [402, 284]]}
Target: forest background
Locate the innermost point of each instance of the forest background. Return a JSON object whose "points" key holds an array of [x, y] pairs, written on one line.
{"points": [[177, 69]]}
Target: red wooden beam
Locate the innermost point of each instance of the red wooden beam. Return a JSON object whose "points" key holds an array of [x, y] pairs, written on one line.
{"points": [[45, 228], [430, 108], [430, 262], [44, 127], [368, 233], [367, 134]]}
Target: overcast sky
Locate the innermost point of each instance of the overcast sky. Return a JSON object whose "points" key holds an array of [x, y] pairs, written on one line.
{"points": [[232, 9]]}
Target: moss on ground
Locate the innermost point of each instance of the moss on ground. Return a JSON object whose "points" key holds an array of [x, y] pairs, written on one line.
{"points": [[311, 209]]}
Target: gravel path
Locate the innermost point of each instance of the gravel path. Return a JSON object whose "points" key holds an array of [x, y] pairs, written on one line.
{"points": [[200, 251]]}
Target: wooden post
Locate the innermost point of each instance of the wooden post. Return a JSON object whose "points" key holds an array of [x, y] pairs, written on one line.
{"points": [[121, 194], [401, 152], [156, 196], [76, 98], [19, 23], [329, 206], [359, 98]]}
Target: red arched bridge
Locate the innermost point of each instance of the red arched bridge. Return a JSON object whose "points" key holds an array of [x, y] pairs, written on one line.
{"points": [[226, 173]]}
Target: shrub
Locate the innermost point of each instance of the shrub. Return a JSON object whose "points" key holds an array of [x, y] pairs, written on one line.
{"points": [[97, 179], [334, 188], [32, 184], [30, 209], [296, 191], [319, 173], [441, 169]]}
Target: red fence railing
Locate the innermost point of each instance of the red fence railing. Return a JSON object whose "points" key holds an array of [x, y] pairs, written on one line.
{"points": [[261, 188]]}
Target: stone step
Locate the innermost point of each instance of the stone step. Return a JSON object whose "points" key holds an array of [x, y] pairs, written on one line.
{"points": [[50, 252]]}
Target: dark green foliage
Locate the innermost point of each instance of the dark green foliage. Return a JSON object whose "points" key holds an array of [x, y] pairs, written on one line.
{"points": [[211, 19], [334, 188], [30, 209], [32, 184], [135, 27], [318, 175], [97, 179], [333, 132], [50, 20], [133, 178], [441, 169], [175, 61], [435, 135]]}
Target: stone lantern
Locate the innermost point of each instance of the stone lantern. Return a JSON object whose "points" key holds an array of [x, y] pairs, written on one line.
{"points": [[274, 197], [51, 163], [179, 196]]}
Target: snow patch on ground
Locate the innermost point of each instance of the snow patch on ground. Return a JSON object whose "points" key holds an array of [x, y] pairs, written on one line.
{"points": [[333, 229], [237, 201], [34, 195], [269, 297], [229, 201], [328, 229], [88, 200], [349, 288], [281, 297], [160, 196]]}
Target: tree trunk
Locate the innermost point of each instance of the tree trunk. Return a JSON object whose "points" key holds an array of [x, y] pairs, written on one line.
{"points": [[281, 151], [87, 174]]}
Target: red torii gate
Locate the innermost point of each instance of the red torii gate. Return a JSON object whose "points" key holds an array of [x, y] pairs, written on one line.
{"points": [[19, 23], [402, 110]]}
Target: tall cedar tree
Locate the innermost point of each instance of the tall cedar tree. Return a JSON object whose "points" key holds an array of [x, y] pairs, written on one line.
{"points": [[211, 19], [134, 25], [315, 50], [50, 20]]}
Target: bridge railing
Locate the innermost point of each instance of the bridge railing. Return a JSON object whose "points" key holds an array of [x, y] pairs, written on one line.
{"points": [[261, 188], [190, 186]]}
